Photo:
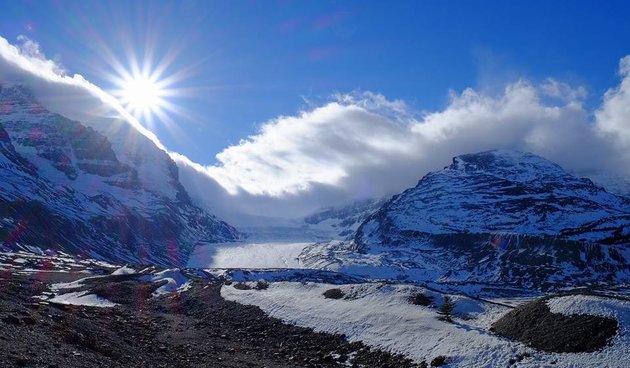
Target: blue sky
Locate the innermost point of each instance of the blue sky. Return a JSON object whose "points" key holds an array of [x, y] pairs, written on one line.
{"points": [[251, 61]]}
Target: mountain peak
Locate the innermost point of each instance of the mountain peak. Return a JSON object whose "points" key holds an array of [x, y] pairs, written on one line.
{"points": [[507, 164]]}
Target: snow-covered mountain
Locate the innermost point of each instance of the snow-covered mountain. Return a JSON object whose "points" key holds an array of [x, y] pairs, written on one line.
{"points": [[500, 217], [505, 192], [108, 193]]}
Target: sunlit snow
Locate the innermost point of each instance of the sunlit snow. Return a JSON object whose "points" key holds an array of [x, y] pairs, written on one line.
{"points": [[247, 255]]}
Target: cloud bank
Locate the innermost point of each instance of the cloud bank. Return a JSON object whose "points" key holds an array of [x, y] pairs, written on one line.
{"points": [[613, 117], [362, 144]]}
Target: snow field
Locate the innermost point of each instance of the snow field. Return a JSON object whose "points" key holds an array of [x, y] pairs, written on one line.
{"points": [[247, 255], [381, 315]]}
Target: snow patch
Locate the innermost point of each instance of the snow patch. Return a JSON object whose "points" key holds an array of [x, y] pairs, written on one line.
{"points": [[82, 298], [72, 285], [591, 305], [125, 270], [175, 281]]}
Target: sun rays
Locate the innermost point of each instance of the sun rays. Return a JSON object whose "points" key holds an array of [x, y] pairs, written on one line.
{"points": [[148, 87], [142, 95], [145, 94]]}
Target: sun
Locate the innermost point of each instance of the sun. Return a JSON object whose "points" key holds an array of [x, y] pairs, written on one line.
{"points": [[142, 95], [146, 93], [148, 88]]}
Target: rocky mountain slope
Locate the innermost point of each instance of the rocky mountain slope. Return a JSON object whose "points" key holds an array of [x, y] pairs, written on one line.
{"points": [[109, 194], [498, 217]]}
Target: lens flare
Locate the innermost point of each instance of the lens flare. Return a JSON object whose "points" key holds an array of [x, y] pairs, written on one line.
{"points": [[144, 95], [141, 95]]}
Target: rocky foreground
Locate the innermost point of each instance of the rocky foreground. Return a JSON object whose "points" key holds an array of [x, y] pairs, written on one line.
{"points": [[197, 328], [57, 310]]}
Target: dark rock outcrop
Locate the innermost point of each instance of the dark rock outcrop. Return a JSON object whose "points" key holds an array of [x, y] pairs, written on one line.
{"points": [[535, 325]]}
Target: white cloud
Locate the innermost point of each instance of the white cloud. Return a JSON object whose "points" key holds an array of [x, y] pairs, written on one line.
{"points": [[317, 147], [71, 96], [362, 144], [613, 117], [563, 91], [31, 50]]}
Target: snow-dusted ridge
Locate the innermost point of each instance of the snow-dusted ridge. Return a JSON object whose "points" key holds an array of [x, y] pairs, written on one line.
{"points": [[342, 221]]}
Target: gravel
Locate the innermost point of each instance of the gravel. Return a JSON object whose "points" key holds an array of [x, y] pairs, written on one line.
{"points": [[196, 328]]}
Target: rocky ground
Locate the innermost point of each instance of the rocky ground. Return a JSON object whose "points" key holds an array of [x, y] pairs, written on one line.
{"points": [[146, 316], [196, 328]]}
